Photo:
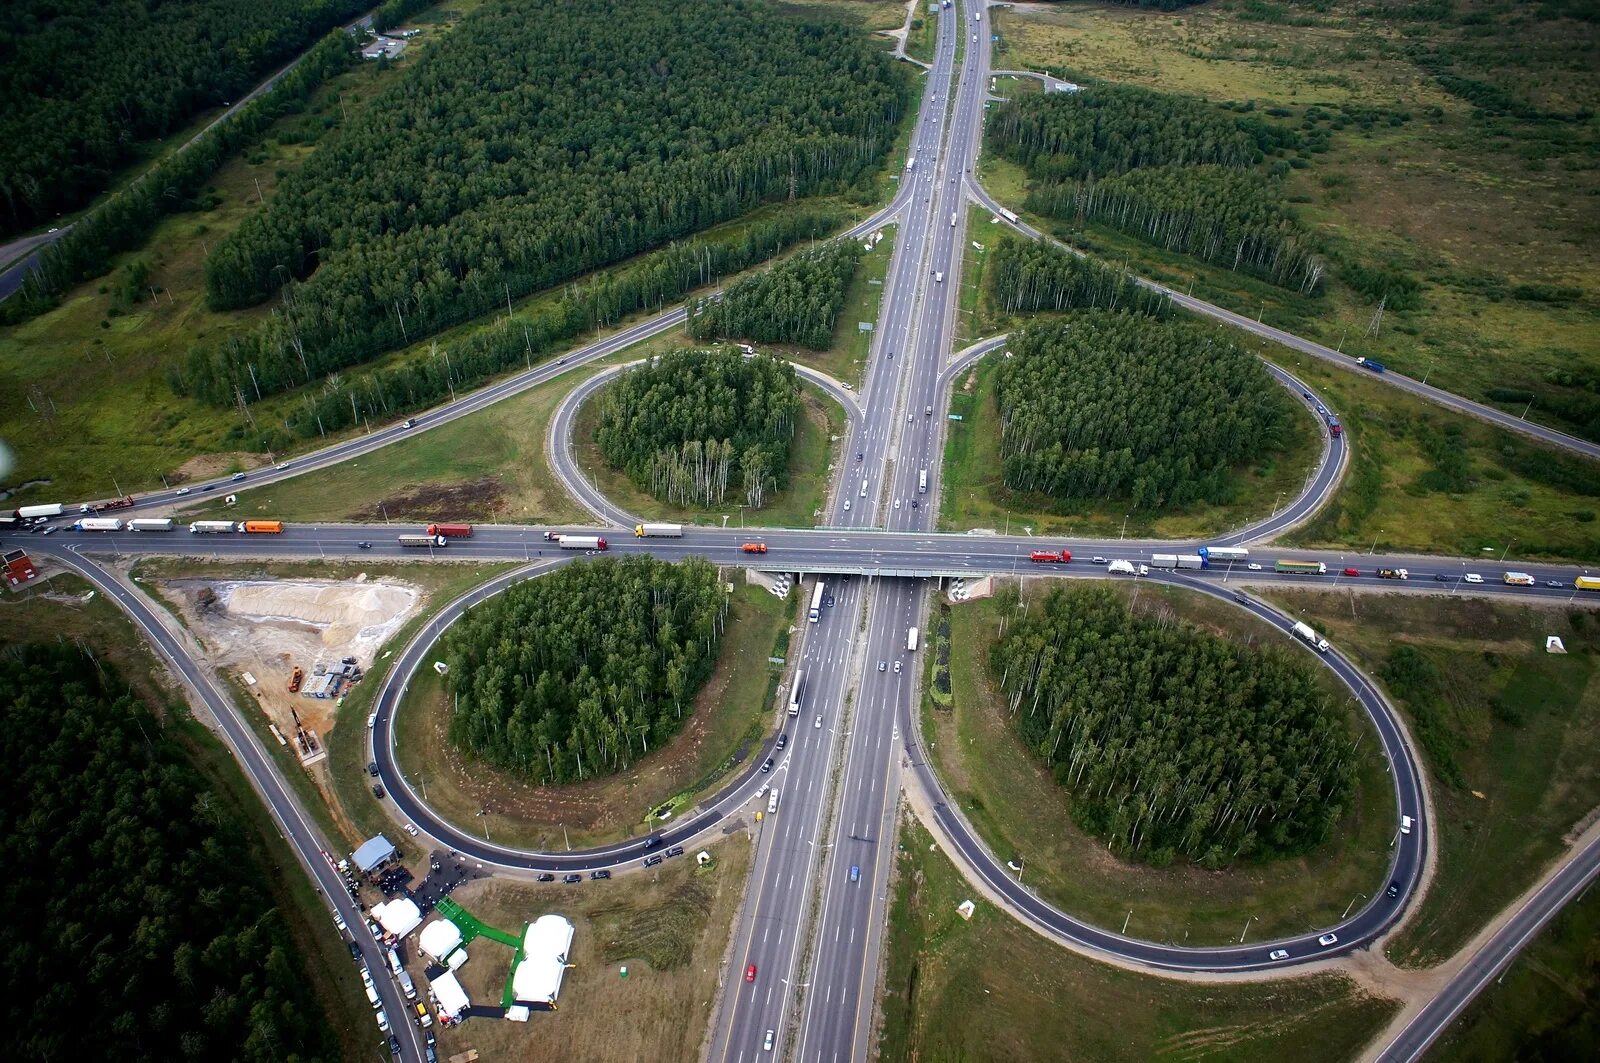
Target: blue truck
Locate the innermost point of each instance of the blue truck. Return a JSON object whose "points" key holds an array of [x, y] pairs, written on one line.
{"points": [[1368, 363]]}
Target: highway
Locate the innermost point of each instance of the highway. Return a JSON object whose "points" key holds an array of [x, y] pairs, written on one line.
{"points": [[813, 920]]}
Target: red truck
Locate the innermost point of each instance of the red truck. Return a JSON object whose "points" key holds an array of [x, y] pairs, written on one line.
{"points": [[452, 531], [1050, 555], [754, 548]]}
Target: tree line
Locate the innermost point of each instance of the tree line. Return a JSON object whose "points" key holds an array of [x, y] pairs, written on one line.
{"points": [[533, 144], [1118, 405], [137, 925], [123, 221], [88, 82], [1171, 741], [527, 336], [582, 672], [691, 425], [797, 301], [1039, 275], [1173, 171]]}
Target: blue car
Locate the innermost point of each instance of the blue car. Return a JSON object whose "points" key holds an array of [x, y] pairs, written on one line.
{"points": [[855, 873]]}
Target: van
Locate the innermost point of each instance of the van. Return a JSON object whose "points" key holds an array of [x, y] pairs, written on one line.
{"points": [[1473, 577], [1405, 824], [372, 997], [772, 802], [407, 986], [863, 489], [394, 963]]}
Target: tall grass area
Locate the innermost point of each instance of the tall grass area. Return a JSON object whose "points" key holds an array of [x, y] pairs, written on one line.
{"points": [[1025, 816], [991, 988], [1510, 736]]}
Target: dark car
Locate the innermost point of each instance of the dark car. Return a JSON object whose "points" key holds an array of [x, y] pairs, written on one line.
{"points": [[914, 503], [1441, 577], [377, 791], [783, 740], [767, 765], [372, 769], [601, 874], [570, 879], [545, 876], [394, 1045], [676, 850], [363, 545], [652, 842], [652, 861], [1241, 599], [1393, 890], [355, 951]]}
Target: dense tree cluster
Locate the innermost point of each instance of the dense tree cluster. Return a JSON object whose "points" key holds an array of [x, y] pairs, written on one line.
{"points": [[394, 12], [692, 424], [533, 144], [1171, 741], [124, 220], [1038, 275], [135, 925], [1231, 218], [796, 301], [1173, 171], [1122, 405], [85, 81], [648, 284], [582, 672]]}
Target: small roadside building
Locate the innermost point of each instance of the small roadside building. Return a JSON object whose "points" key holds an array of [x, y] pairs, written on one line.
{"points": [[537, 979], [374, 854], [439, 939], [449, 996], [398, 917]]}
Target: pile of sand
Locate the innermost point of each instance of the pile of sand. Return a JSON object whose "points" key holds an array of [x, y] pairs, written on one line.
{"points": [[350, 619]]}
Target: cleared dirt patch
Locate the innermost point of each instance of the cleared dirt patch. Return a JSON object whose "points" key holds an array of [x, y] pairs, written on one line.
{"points": [[438, 501]]}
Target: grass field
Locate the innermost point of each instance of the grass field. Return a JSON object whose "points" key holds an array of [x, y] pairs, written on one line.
{"points": [[1546, 1006], [58, 609], [811, 457], [1024, 815], [992, 989], [1426, 480], [668, 926], [731, 714], [974, 494], [1510, 735], [1493, 214]]}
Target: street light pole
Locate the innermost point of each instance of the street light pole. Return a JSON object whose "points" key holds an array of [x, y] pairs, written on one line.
{"points": [[1507, 550]]}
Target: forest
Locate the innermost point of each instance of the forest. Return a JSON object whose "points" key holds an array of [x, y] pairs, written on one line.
{"points": [[1040, 275], [692, 425], [531, 145], [1118, 405], [123, 220], [651, 283], [796, 301], [1171, 741], [1174, 171], [136, 927], [87, 82], [582, 672]]}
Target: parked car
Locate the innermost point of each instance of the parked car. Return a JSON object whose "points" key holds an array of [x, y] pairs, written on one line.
{"points": [[377, 791], [572, 879], [652, 860], [545, 876], [676, 850], [600, 875]]}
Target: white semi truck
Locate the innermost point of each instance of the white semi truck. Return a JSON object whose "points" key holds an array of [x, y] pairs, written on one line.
{"points": [[1312, 639]]}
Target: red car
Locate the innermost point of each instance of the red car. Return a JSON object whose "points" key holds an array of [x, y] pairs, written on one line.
{"points": [[750, 973], [1352, 572]]}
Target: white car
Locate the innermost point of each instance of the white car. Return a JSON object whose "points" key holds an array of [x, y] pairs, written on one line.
{"points": [[182, 491], [1328, 939], [897, 503], [766, 1045], [383, 1021], [819, 721], [1278, 954], [847, 505], [897, 668], [1253, 567], [1473, 577]]}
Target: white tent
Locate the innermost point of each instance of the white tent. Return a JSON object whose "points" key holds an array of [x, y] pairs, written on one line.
{"points": [[399, 917], [449, 995], [439, 939], [538, 977]]}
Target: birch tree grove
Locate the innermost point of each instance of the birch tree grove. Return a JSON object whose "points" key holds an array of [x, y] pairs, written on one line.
{"points": [[1034, 275], [1120, 405], [693, 425], [1173, 171], [1173, 742], [796, 301], [582, 672]]}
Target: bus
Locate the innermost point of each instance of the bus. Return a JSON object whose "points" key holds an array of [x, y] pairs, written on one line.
{"points": [[795, 693], [1304, 568], [922, 481], [816, 602]]}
